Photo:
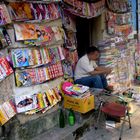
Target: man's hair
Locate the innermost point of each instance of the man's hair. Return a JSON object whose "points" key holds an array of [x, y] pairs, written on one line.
{"points": [[92, 49]]}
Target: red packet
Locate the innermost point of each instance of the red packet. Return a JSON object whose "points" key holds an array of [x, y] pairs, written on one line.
{"points": [[4, 63]]}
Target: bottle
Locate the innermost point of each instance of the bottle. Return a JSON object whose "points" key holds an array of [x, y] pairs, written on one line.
{"points": [[130, 94], [71, 117], [61, 119]]}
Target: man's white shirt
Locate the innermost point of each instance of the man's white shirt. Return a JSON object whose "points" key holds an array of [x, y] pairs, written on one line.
{"points": [[83, 67]]}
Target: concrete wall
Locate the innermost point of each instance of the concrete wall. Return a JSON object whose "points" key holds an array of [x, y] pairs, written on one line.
{"points": [[98, 29]]}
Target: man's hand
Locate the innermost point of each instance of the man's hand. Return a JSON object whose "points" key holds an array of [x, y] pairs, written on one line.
{"points": [[101, 70], [107, 71]]}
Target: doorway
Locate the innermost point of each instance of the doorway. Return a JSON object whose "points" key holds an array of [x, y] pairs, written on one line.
{"points": [[89, 32]]}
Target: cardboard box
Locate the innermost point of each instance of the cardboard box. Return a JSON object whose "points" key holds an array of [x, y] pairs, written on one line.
{"points": [[82, 105]]}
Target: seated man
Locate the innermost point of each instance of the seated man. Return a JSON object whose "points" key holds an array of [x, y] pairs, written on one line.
{"points": [[88, 73]]}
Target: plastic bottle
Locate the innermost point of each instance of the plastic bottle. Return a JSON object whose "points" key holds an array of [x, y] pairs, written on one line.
{"points": [[61, 119], [71, 117]]}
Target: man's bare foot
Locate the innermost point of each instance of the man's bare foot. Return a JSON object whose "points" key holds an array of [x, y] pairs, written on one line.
{"points": [[109, 88]]}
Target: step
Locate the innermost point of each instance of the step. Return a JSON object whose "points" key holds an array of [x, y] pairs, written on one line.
{"points": [[15, 130], [69, 132]]}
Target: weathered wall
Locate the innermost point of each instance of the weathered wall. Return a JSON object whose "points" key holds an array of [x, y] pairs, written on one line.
{"points": [[15, 130], [98, 29]]}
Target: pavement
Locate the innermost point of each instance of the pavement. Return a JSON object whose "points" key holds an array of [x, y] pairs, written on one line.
{"points": [[85, 130], [113, 133]]}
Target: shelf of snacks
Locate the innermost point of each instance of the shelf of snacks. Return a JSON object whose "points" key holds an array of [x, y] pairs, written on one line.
{"points": [[84, 9], [120, 26], [34, 1], [34, 39], [39, 75], [70, 44], [24, 11], [119, 18], [118, 54], [118, 6]]}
